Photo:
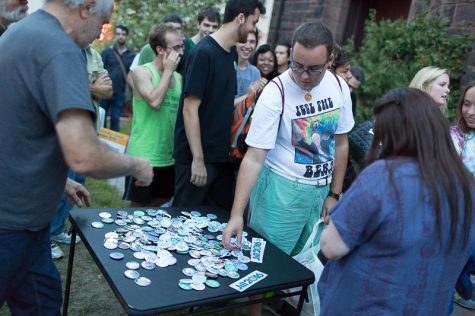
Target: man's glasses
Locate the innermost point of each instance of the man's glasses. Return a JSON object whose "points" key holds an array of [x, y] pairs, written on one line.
{"points": [[312, 71], [177, 48]]}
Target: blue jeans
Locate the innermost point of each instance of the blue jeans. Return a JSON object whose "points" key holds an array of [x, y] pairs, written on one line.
{"points": [[113, 106], [62, 212], [29, 281]]}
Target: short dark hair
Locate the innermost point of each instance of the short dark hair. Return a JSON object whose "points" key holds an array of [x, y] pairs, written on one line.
{"points": [[156, 37], [173, 17], [285, 44], [313, 34], [262, 50], [247, 7], [341, 57], [211, 13], [409, 125], [461, 123], [357, 73], [123, 28]]}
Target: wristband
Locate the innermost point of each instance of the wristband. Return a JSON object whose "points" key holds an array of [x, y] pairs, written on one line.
{"points": [[334, 195]]}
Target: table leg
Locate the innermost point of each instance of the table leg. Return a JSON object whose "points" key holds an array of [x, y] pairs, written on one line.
{"points": [[67, 289], [303, 297]]}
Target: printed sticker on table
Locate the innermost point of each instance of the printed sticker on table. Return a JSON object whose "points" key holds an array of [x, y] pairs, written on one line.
{"points": [[248, 281], [257, 249]]}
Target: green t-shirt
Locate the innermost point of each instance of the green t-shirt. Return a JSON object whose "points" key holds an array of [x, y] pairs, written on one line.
{"points": [[152, 134], [146, 55]]}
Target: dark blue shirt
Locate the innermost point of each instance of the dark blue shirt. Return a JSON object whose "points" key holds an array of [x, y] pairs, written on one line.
{"points": [[111, 63]]}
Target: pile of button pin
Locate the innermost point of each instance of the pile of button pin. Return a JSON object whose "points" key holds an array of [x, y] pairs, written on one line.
{"points": [[160, 234]]}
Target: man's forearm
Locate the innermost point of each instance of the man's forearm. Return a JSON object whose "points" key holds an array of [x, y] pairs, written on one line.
{"points": [[85, 153], [101, 92], [193, 131], [104, 163], [157, 95]]}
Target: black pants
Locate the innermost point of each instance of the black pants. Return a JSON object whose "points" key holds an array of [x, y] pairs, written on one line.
{"points": [[218, 190]]}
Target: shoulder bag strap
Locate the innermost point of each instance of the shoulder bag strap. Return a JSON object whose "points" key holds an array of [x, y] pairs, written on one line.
{"points": [[280, 85], [337, 79], [122, 67]]}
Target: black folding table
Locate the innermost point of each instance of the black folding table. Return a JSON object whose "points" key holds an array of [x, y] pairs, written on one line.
{"points": [[164, 294]]}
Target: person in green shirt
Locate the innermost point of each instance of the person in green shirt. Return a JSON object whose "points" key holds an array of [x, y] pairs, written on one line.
{"points": [[157, 90], [147, 54], [209, 20]]}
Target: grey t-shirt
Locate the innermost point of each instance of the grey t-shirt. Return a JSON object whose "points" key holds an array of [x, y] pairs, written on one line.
{"points": [[245, 77], [43, 73]]}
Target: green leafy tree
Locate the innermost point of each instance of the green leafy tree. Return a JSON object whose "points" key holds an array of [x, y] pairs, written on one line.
{"points": [[393, 51], [140, 16]]}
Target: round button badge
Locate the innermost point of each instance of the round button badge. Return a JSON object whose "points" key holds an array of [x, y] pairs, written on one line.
{"points": [[212, 283], [117, 255], [105, 215], [132, 265], [131, 274], [97, 225], [143, 281]]}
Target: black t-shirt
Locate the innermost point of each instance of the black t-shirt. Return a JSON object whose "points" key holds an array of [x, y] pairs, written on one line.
{"points": [[210, 76]]}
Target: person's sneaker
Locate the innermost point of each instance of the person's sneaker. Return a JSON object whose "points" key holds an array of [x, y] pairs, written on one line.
{"points": [[464, 303], [56, 252], [64, 238]]}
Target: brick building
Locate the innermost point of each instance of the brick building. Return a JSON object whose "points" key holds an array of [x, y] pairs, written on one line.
{"points": [[346, 17]]}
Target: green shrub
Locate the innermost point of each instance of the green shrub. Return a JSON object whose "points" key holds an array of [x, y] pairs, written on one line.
{"points": [[140, 16], [393, 51]]}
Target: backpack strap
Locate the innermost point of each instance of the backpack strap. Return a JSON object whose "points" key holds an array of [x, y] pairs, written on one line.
{"points": [[280, 86], [243, 124], [337, 79]]}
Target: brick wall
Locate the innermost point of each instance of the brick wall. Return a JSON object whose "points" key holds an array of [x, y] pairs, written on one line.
{"points": [[287, 15]]}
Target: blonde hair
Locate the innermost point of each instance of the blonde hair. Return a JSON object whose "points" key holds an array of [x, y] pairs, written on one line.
{"points": [[424, 78]]}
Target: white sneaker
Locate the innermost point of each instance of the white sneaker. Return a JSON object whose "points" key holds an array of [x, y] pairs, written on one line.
{"points": [[56, 252], [64, 238], [465, 303]]}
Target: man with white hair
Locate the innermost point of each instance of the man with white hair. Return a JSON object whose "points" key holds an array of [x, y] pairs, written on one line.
{"points": [[11, 11], [46, 126]]}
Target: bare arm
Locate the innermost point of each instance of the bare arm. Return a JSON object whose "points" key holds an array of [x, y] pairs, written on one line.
{"points": [[331, 243], [249, 171], [143, 81], [86, 155], [101, 88], [253, 88], [193, 134], [341, 160], [239, 99]]}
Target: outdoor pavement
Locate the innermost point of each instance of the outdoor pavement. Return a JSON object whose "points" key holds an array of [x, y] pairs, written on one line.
{"points": [[460, 311]]}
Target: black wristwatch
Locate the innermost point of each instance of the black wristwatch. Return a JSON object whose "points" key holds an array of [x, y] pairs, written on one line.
{"points": [[334, 195]]}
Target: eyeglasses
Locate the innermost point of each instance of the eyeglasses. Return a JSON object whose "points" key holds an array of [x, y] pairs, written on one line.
{"points": [[312, 71], [177, 48]]}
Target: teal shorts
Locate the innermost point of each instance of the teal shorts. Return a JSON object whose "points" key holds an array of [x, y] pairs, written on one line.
{"points": [[285, 211]]}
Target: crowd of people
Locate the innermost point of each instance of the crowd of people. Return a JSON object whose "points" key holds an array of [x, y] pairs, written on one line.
{"points": [[261, 132]]}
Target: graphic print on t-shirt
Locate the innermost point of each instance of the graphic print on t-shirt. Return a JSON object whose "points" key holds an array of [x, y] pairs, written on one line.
{"points": [[314, 138]]}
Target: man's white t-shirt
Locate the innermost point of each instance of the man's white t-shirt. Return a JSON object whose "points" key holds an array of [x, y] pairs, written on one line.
{"points": [[302, 143]]}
